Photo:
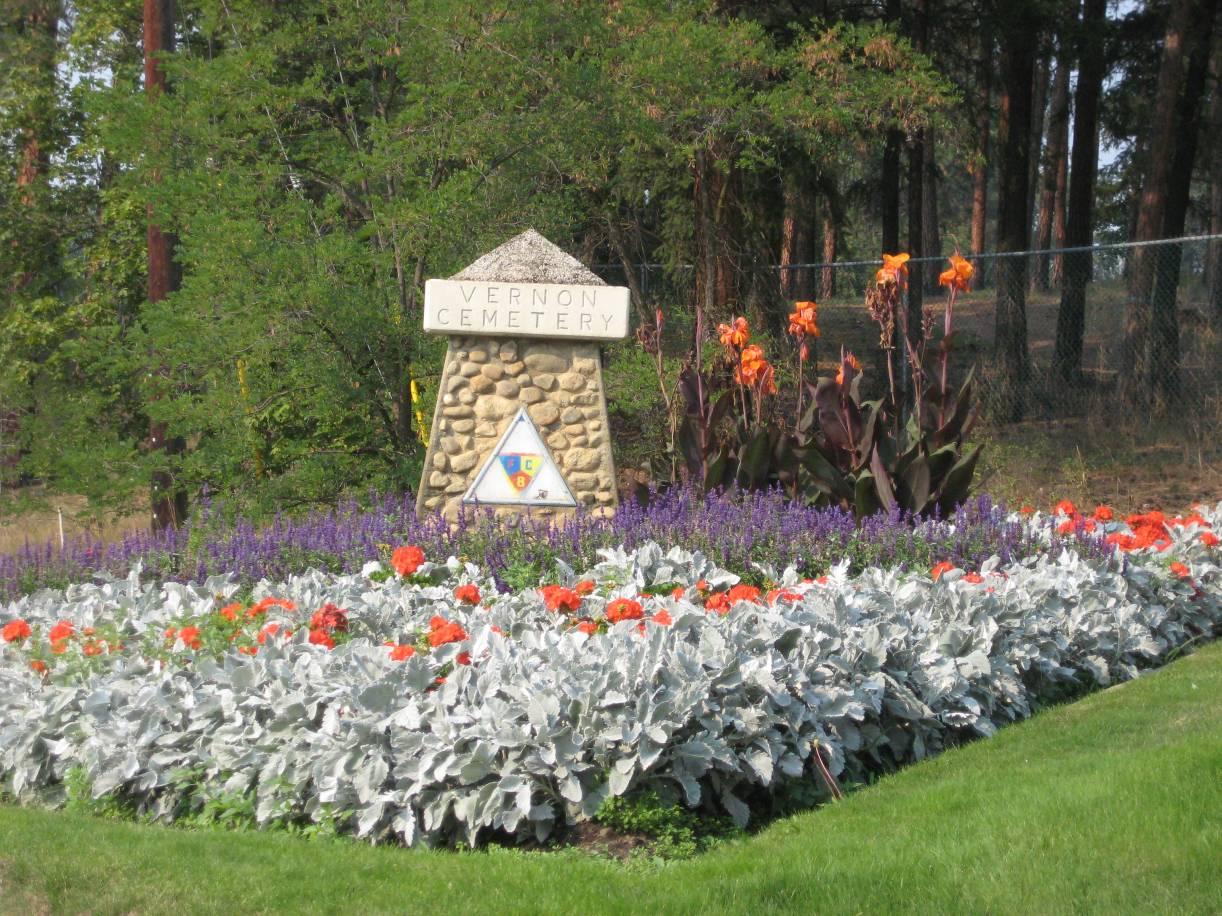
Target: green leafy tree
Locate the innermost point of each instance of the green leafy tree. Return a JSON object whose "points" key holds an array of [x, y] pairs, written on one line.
{"points": [[318, 161]]}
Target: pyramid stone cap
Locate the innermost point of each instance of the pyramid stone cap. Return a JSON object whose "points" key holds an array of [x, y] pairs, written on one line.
{"points": [[529, 258]]}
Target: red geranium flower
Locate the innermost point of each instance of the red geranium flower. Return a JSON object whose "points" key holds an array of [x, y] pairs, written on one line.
{"points": [[469, 594], [782, 594], [557, 598], [719, 602], [406, 560], [16, 630], [743, 593], [271, 629], [1104, 513], [38, 665], [231, 611], [188, 635], [589, 627], [662, 618], [973, 577], [584, 587], [1181, 570], [329, 617], [249, 650], [1153, 517], [320, 637], [59, 635], [464, 658], [401, 653], [1209, 539], [444, 632], [940, 568], [624, 609], [1065, 507], [268, 603]]}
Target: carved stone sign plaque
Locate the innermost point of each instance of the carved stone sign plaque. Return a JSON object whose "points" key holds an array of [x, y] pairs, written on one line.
{"points": [[526, 309], [521, 417]]}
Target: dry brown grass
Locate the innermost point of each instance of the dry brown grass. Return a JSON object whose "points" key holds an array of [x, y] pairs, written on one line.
{"points": [[1040, 462], [19, 523]]}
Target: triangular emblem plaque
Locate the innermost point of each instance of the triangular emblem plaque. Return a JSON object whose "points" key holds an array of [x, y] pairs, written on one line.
{"points": [[520, 471]]}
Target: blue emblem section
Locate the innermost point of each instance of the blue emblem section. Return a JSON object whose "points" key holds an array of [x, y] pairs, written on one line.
{"points": [[520, 468]]}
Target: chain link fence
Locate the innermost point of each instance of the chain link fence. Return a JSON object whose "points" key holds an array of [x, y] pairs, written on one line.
{"points": [[1089, 330]]}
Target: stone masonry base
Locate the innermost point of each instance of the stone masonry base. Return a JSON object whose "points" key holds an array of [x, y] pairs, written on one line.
{"points": [[483, 383]]}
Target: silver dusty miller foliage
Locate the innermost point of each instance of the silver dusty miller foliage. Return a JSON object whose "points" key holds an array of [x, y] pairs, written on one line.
{"points": [[873, 670]]}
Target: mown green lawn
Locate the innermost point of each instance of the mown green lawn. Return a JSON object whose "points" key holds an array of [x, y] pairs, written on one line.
{"points": [[1110, 804]]}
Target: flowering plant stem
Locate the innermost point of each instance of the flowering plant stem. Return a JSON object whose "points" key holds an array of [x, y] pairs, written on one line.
{"points": [[947, 320]]}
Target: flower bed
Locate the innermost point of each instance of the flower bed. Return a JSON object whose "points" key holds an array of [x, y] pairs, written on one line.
{"points": [[418, 704], [766, 527]]}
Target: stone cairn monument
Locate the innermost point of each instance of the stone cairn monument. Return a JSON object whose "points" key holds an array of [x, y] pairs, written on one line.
{"points": [[521, 418]]}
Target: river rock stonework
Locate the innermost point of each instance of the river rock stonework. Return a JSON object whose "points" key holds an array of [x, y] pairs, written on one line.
{"points": [[486, 380]]}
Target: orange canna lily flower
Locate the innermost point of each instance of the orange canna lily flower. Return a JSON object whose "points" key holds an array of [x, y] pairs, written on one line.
{"points": [[893, 269], [735, 334], [767, 381], [753, 369], [960, 274], [850, 362], [803, 322]]}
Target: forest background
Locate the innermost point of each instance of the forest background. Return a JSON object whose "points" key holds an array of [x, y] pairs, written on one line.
{"points": [[216, 216]]}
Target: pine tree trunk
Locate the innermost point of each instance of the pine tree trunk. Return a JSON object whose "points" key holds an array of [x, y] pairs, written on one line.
{"points": [[1060, 188], [1214, 253], [827, 283], [980, 170], [890, 172], [1165, 336], [704, 232], [1039, 121], [890, 181], [1014, 219], [1058, 132], [36, 25], [1079, 226], [797, 235], [931, 233], [833, 217], [916, 234], [168, 501], [916, 190], [1137, 363]]}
